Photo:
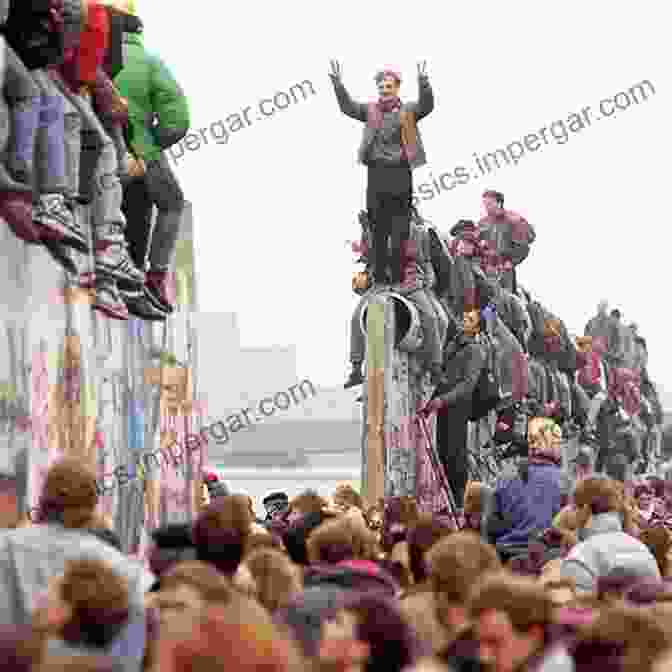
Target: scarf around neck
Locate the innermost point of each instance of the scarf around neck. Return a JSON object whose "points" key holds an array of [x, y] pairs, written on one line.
{"points": [[409, 137]]}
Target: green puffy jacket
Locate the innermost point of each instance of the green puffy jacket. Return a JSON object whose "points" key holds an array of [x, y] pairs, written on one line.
{"points": [[158, 112]]}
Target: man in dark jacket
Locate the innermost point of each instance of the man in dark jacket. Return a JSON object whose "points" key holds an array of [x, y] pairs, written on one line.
{"points": [[509, 237], [391, 148], [452, 401]]}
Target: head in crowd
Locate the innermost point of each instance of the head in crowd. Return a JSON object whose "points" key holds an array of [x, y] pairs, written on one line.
{"points": [[20, 649], [615, 314], [544, 440], [276, 505], [215, 486], [171, 544], [186, 589], [346, 497], [87, 605], [376, 622], [388, 83], [308, 502], [511, 617], [69, 495], [422, 536], [624, 638], [455, 564], [221, 531], [239, 640], [339, 539], [398, 514], [277, 580], [471, 322], [658, 540], [493, 202]]}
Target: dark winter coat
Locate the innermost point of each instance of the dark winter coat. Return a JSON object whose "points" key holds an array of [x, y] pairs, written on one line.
{"points": [[462, 371]]}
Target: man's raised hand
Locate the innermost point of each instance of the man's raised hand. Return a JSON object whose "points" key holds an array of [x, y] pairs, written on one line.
{"points": [[422, 70], [336, 71]]}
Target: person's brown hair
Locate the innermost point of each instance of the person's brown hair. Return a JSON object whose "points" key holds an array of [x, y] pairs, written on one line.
{"points": [[659, 541], [346, 494], [422, 536], [211, 585], [276, 578], [308, 502], [456, 562], [99, 600], [259, 540], [221, 531], [643, 634], [78, 663], [523, 600], [332, 541], [230, 640], [69, 494]]}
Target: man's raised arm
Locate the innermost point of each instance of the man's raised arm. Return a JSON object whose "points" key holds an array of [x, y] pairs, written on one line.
{"points": [[348, 106], [425, 104]]}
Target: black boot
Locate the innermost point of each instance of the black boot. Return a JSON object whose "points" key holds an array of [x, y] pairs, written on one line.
{"points": [[139, 305], [355, 378]]}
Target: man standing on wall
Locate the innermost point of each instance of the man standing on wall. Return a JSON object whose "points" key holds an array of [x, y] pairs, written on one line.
{"points": [[391, 148]]}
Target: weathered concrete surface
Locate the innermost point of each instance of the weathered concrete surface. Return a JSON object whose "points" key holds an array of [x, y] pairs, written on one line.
{"points": [[73, 383]]}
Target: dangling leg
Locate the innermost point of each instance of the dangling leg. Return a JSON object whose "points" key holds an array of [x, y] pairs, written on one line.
{"points": [[166, 194], [357, 346]]}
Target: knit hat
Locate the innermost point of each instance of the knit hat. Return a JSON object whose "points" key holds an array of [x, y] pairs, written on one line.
{"points": [[216, 488], [275, 503]]}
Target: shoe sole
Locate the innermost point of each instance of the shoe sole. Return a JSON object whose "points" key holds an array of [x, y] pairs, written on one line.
{"points": [[159, 305], [122, 279], [136, 310]]}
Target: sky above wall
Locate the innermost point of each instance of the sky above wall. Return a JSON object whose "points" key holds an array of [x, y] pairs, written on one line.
{"points": [[276, 202]]}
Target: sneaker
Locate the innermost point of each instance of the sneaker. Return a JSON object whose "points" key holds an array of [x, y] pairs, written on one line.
{"points": [[355, 378], [139, 305], [17, 210], [157, 289], [114, 262], [108, 300], [57, 222]]}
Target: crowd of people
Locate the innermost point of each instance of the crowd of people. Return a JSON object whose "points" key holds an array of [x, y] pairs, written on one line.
{"points": [[337, 584], [87, 112]]}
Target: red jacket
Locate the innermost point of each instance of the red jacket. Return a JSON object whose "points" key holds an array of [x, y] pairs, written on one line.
{"points": [[82, 62]]}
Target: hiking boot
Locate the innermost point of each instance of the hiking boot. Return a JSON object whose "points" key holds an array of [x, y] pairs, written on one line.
{"points": [[157, 289], [114, 262], [108, 300], [139, 305], [355, 378], [17, 210], [57, 222]]}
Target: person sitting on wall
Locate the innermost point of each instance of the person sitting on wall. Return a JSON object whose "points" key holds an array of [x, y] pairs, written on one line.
{"points": [[391, 148]]}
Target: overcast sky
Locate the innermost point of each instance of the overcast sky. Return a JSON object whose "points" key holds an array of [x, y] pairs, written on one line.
{"points": [[274, 206]]}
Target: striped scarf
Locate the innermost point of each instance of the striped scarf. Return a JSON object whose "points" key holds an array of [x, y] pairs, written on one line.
{"points": [[409, 133]]}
